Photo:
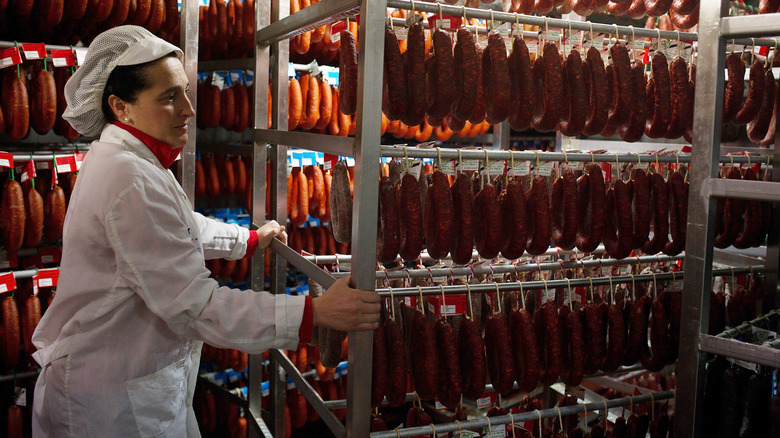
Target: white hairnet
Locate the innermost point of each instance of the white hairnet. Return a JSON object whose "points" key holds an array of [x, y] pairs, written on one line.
{"points": [[122, 45]]}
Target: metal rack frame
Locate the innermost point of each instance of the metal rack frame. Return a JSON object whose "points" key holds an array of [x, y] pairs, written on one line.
{"points": [[714, 28], [271, 57]]}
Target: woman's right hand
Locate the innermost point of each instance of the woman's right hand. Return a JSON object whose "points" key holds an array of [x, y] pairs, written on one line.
{"points": [[344, 308]]}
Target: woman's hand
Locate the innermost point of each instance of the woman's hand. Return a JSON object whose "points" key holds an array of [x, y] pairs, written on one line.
{"points": [[344, 308], [268, 231]]}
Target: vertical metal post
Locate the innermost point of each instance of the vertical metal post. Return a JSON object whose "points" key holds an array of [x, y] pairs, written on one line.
{"points": [[501, 135], [366, 195], [771, 280], [277, 66], [701, 218], [189, 43]]}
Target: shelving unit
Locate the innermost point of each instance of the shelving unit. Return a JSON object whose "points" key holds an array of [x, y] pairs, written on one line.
{"points": [[714, 29], [271, 57]]}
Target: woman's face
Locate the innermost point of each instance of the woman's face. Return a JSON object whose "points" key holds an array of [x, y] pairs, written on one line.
{"points": [[163, 109]]}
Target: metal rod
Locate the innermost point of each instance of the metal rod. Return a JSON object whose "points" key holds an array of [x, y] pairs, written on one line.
{"points": [[189, 42], [310, 269], [347, 258], [412, 396], [515, 268], [306, 140], [479, 154], [317, 14], [314, 399], [746, 327], [22, 375], [526, 416], [526, 285], [759, 354], [742, 189], [224, 392]]}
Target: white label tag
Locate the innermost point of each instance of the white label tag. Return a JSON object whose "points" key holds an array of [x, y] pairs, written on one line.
{"points": [[3, 288], [545, 168], [5, 163], [416, 169], [47, 259], [532, 49], [400, 33], [449, 167], [440, 406], [335, 36], [521, 168], [496, 167], [4, 62], [412, 19], [483, 402], [45, 282], [495, 431], [639, 45], [20, 396], [553, 35], [59, 62], [504, 29], [469, 165], [31, 54], [81, 55], [598, 43], [566, 48], [465, 434]]}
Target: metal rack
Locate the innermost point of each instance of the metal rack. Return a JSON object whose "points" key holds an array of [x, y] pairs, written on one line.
{"points": [[271, 57], [714, 29]]}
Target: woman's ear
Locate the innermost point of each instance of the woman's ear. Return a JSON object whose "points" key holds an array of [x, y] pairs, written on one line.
{"points": [[118, 107]]}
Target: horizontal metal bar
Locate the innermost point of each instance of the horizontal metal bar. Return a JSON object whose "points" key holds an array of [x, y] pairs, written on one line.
{"points": [[412, 396], [226, 64], [739, 350], [22, 375], [316, 15], [314, 399], [243, 149], [310, 269], [8, 44], [526, 416], [347, 258], [750, 25], [512, 268], [746, 327], [479, 154], [525, 285], [329, 144], [224, 392], [743, 189]]}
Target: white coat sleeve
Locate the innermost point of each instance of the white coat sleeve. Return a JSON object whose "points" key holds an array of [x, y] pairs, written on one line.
{"points": [[156, 253], [221, 240]]}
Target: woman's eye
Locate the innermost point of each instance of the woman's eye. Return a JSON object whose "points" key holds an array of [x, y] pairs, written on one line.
{"points": [[171, 97]]}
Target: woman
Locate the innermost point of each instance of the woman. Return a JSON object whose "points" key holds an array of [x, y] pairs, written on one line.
{"points": [[120, 345]]}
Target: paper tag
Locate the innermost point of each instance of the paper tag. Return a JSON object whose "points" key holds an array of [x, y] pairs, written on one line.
{"points": [[521, 168], [484, 402], [81, 55], [9, 57], [638, 44], [746, 365], [46, 278], [402, 33], [20, 396], [553, 35], [497, 167], [547, 295], [29, 171], [50, 255], [495, 431], [532, 49], [7, 282], [439, 406], [504, 29], [218, 80], [449, 167], [66, 163], [413, 19], [63, 58], [575, 38], [445, 21], [762, 335], [416, 169], [249, 78], [465, 434], [6, 159], [34, 51], [545, 168], [598, 43], [566, 48], [577, 295], [469, 165]]}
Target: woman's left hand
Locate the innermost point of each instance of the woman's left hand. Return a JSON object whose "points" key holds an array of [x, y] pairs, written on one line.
{"points": [[267, 232]]}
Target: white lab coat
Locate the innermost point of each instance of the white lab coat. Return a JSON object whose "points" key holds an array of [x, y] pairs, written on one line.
{"points": [[120, 345]]}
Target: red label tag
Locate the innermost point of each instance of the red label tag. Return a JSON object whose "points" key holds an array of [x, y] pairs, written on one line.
{"points": [[66, 164], [6, 159], [686, 149], [607, 169], [46, 278], [51, 255], [445, 21], [28, 171], [455, 305], [330, 161], [646, 56], [34, 51], [487, 400], [63, 58], [79, 157], [10, 56], [7, 282], [338, 27]]}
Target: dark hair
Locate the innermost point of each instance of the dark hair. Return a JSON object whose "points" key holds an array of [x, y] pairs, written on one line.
{"points": [[125, 82]]}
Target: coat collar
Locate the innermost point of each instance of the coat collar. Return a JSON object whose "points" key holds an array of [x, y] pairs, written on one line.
{"points": [[165, 153]]}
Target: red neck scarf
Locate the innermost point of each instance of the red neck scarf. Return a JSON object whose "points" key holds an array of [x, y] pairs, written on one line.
{"points": [[164, 152]]}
